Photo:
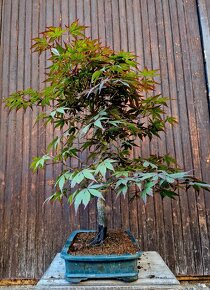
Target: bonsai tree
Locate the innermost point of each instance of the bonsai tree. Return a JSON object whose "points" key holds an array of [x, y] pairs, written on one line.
{"points": [[102, 103]]}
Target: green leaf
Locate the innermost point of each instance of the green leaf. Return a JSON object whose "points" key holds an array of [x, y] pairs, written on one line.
{"points": [[171, 120], [144, 176], [168, 159], [72, 196], [69, 152], [82, 196], [87, 144], [76, 30], [78, 200], [68, 175], [147, 164], [96, 75], [55, 51], [96, 193], [86, 198], [168, 193], [121, 173], [103, 166], [78, 178], [139, 185], [108, 164], [122, 189], [61, 182], [88, 174], [54, 143], [61, 110], [148, 73], [62, 179], [70, 199], [115, 123], [179, 175], [102, 169], [85, 129], [98, 124], [56, 196], [101, 85], [59, 48], [167, 177], [121, 181], [148, 190], [99, 185], [38, 162], [200, 185]]}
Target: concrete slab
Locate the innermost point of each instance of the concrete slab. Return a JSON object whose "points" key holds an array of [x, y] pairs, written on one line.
{"points": [[153, 274], [186, 287]]}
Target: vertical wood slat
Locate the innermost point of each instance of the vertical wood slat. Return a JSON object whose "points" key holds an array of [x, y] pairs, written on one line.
{"points": [[159, 217], [57, 20], [165, 34], [4, 126], [133, 212], [74, 222], [123, 46], [65, 216], [1, 88], [109, 42], [147, 147], [25, 149], [116, 46], [49, 216], [32, 203], [12, 201], [41, 140], [141, 214], [16, 255], [93, 22], [29, 244]]}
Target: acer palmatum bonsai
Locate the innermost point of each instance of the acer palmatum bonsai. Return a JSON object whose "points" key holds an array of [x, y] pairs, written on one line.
{"points": [[99, 97]]}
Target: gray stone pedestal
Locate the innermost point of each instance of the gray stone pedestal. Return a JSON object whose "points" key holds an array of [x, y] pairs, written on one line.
{"points": [[153, 274]]}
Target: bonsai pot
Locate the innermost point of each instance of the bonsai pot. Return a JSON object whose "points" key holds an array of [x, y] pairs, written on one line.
{"points": [[79, 268]]}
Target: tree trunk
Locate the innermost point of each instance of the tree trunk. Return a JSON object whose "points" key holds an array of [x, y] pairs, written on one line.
{"points": [[101, 210], [102, 223]]}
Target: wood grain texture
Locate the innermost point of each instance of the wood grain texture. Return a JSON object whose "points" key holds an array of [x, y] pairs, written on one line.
{"points": [[166, 36]]}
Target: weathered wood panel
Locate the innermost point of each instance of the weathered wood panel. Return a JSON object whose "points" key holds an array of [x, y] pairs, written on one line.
{"points": [[165, 34]]}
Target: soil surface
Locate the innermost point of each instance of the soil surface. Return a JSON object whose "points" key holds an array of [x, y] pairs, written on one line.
{"points": [[117, 242]]}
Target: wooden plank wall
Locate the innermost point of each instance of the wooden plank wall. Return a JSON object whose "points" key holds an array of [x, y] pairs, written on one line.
{"points": [[165, 34]]}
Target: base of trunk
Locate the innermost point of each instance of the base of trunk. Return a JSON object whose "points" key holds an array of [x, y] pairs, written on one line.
{"points": [[100, 237]]}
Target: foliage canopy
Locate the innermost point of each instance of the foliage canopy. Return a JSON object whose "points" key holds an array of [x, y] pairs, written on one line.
{"points": [[100, 97]]}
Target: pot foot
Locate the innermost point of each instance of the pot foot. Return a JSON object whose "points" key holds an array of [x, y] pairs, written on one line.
{"points": [[129, 279], [75, 280]]}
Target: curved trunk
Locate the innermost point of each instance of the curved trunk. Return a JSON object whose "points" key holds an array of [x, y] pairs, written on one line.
{"points": [[102, 223]]}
